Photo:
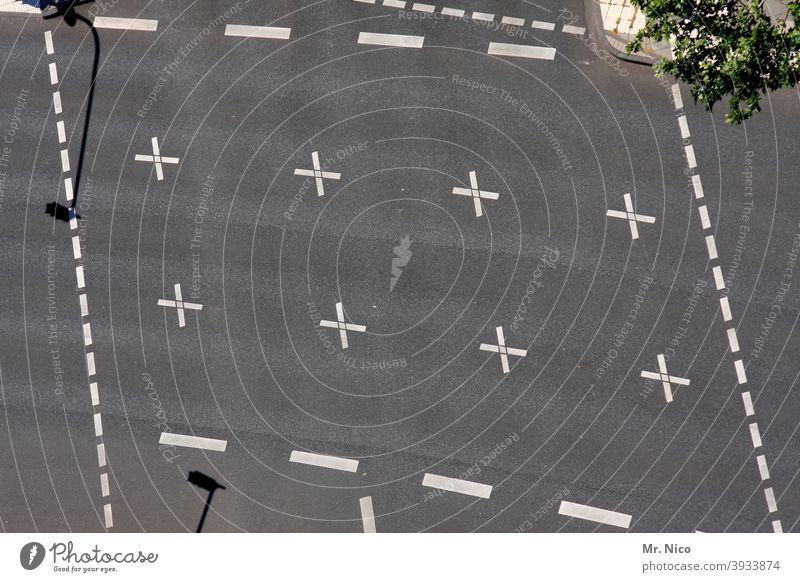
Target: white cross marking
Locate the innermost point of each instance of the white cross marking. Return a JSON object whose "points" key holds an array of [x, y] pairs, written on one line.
{"points": [[476, 193], [631, 217], [157, 159], [318, 174], [665, 379], [180, 304], [341, 325], [501, 349]]}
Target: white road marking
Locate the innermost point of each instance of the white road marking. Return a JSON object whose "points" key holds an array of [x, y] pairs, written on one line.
{"points": [[511, 21], [257, 31], [569, 29], [521, 50], [776, 526], [318, 174], [73, 219], [87, 334], [98, 425], [719, 280], [748, 404], [366, 1], [475, 193], [665, 379], [770, 495], [398, 40], [48, 41], [326, 461], [394, 4], [156, 158], [726, 308], [684, 125], [741, 376], [109, 517], [126, 23], [594, 514], [367, 515], [183, 440], [690, 159], [62, 134], [704, 219], [501, 349], [457, 12], [733, 340], [423, 7], [180, 305], [484, 16], [84, 305], [763, 470], [65, 160], [698, 186], [755, 435], [104, 484], [631, 217], [341, 325], [457, 485], [90, 364], [712, 247], [79, 276], [53, 74], [68, 189], [101, 455], [543, 25], [57, 102], [95, 394], [76, 247], [676, 96]]}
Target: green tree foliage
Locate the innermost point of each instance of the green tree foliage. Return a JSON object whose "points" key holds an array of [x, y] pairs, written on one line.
{"points": [[724, 48]]}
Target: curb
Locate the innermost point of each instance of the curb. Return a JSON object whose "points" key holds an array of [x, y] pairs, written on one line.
{"points": [[594, 21]]}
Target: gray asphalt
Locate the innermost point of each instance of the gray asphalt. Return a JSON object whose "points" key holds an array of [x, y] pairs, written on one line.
{"points": [[561, 141]]}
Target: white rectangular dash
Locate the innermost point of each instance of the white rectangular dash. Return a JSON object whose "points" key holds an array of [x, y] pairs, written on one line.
{"points": [[719, 280], [73, 219], [101, 455], [109, 517], [48, 41], [726, 308], [711, 245], [521, 50], [454, 12], [770, 495], [84, 304], [62, 134], [257, 31], [755, 435], [53, 74], [76, 247], [684, 125], [733, 340], [748, 404], [741, 376], [394, 4], [511, 21], [366, 1], [65, 160], [698, 186], [569, 29], [763, 470], [676, 96], [87, 334], [419, 7], [543, 25], [457, 485], [104, 484], [57, 102], [484, 16], [183, 440], [398, 40], [594, 514], [367, 514], [690, 159], [95, 394], [68, 189], [704, 219], [79, 276], [776, 526], [98, 425], [91, 370], [126, 23], [326, 461]]}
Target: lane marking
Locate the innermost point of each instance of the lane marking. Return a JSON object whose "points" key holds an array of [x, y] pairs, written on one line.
{"points": [[594, 514], [95, 394], [763, 470], [704, 219], [776, 526], [98, 425], [68, 188], [483, 16], [126, 23], [73, 219], [325, 461], [755, 435], [684, 125], [569, 29], [65, 160], [698, 186], [456, 12], [770, 495], [367, 1], [543, 25], [712, 247], [394, 4], [521, 50], [101, 455], [318, 174], [719, 281], [53, 74], [733, 340], [511, 21], [62, 134], [423, 7], [342, 326], [741, 376], [396, 40], [108, 516], [632, 218], [367, 515], [748, 404], [457, 485], [476, 193], [257, 31], [156, 159], [57, 102], [76, 247], [87, 334], [48, 41], [180, 305], [690, 159], [79, 275], [500, 348], [104, 484], [84, 305], [676, 96], [194, 442], [665, 379], [90, 364], [726, 308]]}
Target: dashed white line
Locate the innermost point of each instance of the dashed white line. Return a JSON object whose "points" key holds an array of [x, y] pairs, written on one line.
{"points": [[48, 41], [367, 515], [457, 485], [741, 376], [366, 1], [53, 74], [182, 440], [397, 40], [79, 276], [394, 4], [522, 50], [594, 514], [84, 303], [483, 16], [95, 394], [733, 340], [748, 404], [65, 160], [704, 219], [763, 470], [257, 31], [456, 12], [676, 96], [719, 280], [726, 308], [101, 455], [90, 364], [76, 247], [755, 435], [326, 461], [104, 484], [712, 247], [770, 495], [511, 21], [569, 29], [430, 8], [698, 186], [68, 189], [543, 25], [73, 219], [98, 425], [776, 526], [684, 125], [57, 102], [690, 159], [126, 23], [108, 516], [87, 334], [62, 134]]}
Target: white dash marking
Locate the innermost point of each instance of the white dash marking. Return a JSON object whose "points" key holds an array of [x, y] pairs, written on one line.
{"points": [[712, 247], [62, 134], [68, 189], [79, 276], [698, 186], [90, 364], [770, 495], [57, 102], [520, 50], [257, 31], [741, 376], [104, 484], [366, 1], [569, 29], [394, 4], [726, 308], [763, 470], [65, 160], [108, 516], [543, 25], [484, 16], [182, 440], [76, 247], [48, 41], [748, 404], [98, 425], [95, 394], [326, 461], [126, 23], [455, 12], [776, 526], [53, 74], [733, 340], [594, 514], [719, 281], [457, 485], [84, 305], [690, 159], [101, 455], [87, 334], [755, 435], [684, 125], [73, 219], [398, 40], [423, 7], [511, 21], [676, 96], [367, 515]]}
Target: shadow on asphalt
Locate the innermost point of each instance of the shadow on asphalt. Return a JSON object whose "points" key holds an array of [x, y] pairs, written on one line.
{"points": [[203, 481]]}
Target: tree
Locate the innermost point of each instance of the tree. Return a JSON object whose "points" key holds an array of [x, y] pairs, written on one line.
{"points": [[724, 48]]}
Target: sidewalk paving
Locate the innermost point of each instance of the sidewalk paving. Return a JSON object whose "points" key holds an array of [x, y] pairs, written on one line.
{"points": [[18, 6]]}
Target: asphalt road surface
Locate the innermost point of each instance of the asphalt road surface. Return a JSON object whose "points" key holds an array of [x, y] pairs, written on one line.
{"points": [[510, 226]]}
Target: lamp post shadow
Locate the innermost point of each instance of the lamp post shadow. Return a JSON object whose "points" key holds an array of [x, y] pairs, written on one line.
{"points": [[203, 481]]}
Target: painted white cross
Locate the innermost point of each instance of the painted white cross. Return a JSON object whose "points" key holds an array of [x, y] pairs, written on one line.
{"points": [[476, 194], [317, 174], [665, 379], [631, 217], [180, 304], [341, 325], [501, 349], [157, 159]]}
